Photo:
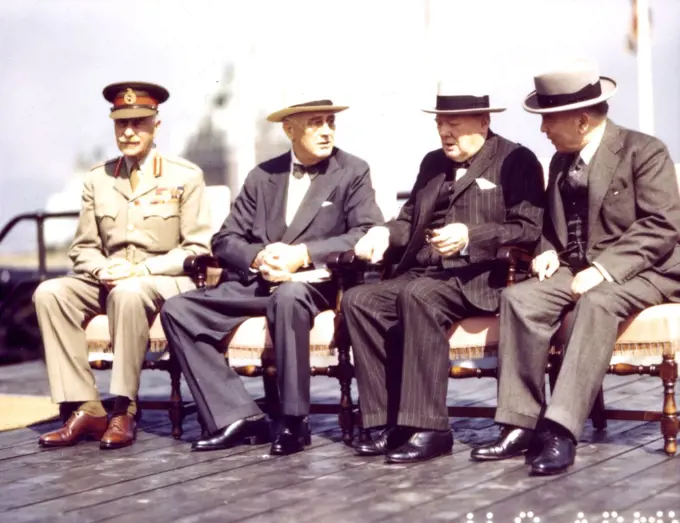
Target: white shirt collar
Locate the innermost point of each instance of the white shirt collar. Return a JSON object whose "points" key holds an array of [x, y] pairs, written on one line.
{"points": [[590, 149]]}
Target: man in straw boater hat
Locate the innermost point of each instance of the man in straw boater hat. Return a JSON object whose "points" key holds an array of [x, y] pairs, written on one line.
{"points": [[142, 214], [291, 212], [609, 249], [476, 193]]}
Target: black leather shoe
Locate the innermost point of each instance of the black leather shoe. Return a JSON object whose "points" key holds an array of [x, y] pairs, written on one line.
{"points": [[557, 456], [389, 439], [512, 442], [251, 431], [292, 436], [421, 446]]}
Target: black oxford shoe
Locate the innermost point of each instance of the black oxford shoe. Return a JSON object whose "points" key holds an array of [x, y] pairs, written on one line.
{"points": [[558, 454], [389, 439], [292, 436], [251, 431], [512, 442], [421, 446]]}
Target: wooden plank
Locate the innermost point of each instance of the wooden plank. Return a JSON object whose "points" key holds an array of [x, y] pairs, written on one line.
{"points": [[357, 486], [173, 465], [231, 479], [481, 485], [648, 474]]}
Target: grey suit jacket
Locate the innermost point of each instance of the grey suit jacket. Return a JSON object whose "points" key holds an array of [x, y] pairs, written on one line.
{"points": [[337, 210], [634, 209], [509, 213]]}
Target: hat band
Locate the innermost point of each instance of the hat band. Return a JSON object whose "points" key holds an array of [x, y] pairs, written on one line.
{"points": [[135, 106], [589, 92], [119, 102], [458, 103], [314, 103]]}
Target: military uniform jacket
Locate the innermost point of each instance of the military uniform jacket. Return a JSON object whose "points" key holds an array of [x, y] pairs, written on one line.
{"points": [[165, 219]]}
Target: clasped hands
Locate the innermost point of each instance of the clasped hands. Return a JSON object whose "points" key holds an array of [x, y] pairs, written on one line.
{"points": [[278, 261], [546, 264], [446, 241], [120, 269]]}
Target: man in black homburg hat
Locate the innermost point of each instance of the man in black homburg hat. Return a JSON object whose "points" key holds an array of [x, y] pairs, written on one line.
{"points": [[292, 211], [476, 193], [609, 249]]}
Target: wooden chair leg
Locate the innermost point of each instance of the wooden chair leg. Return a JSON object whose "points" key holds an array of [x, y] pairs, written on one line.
{"points": [[598, 414], [554, 366], [669, 422], [176, 407], [364, 435], [271, 393], [345, 375]]}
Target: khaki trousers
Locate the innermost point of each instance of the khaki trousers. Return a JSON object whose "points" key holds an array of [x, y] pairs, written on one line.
{"points": [[65, 305]]}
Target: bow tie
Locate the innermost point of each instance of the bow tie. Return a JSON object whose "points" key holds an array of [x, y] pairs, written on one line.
{"points": [[300, 170], [461, 165]]}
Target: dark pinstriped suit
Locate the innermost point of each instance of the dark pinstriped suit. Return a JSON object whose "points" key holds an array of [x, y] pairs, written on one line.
{"points": [[407, 318]]}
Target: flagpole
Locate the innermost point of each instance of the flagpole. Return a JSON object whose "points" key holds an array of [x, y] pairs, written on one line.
{"points": [[644, 68]]}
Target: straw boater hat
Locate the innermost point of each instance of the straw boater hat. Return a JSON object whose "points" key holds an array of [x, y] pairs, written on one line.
{"points": [[451, 101], [306, 107], [578, 84], [134, 99]]}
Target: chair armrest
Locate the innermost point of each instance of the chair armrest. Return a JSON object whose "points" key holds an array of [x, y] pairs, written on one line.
{"points": [[513, 255], [349, 270], [197, 268]]}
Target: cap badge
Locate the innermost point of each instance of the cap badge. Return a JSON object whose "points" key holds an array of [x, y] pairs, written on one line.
{"points": [[130, 97]]}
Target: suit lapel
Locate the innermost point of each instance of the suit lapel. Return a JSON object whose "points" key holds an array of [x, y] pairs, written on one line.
{"points": [[477, 168], [319, 190], [555, 198], [601, 172], [275, 199]]}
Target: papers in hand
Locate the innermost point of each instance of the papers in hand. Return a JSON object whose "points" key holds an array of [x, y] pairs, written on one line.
{"points": [[275, 276]]}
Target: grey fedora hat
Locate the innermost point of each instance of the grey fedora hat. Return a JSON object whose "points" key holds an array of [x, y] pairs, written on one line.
{"points": [[577, 84], [451, 101]]}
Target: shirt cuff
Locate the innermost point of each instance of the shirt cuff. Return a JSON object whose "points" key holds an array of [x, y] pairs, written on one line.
{"points": [[603, 271], [464, 250], [308, 261]]}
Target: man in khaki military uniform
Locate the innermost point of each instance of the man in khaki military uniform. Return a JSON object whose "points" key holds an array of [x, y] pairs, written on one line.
{"points": [[142, 214]]}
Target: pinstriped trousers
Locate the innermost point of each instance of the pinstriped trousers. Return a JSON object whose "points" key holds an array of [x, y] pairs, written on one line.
{"points": [[399, 334]]}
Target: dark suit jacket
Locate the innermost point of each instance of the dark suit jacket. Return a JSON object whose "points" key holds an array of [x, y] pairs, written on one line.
{"points": [[510, 213], [634, 209], [337, 210]]}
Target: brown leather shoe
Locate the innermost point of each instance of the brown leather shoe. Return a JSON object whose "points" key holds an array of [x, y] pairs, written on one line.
{"points": [[78, 427], [121, 433]]}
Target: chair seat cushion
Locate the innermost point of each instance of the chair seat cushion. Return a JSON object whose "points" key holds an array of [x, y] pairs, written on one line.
{"points": [[249, 344], [644, 337]]}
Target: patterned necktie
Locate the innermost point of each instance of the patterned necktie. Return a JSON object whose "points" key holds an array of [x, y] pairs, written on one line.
{"points": [[576, 176], [134, 176]]}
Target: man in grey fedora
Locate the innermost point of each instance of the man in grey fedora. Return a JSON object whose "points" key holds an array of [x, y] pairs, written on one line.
{"points": [[609, 249], [475, 193]]}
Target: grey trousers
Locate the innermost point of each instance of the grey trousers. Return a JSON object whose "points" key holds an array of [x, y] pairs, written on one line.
{"points": [[399, 334], [530, 315]]}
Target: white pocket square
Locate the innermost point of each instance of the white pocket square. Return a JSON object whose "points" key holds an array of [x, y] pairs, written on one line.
{"points": [[326, 204], [485, 184]]}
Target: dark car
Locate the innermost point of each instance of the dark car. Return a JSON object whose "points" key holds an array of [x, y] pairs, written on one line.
{"points": [[19, 334]]}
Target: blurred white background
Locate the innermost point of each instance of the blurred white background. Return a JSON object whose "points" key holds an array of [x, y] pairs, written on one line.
{"points": [[381, 57]]}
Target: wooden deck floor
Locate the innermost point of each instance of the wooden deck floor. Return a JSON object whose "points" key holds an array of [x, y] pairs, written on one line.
{"points": [[621, 469]]}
